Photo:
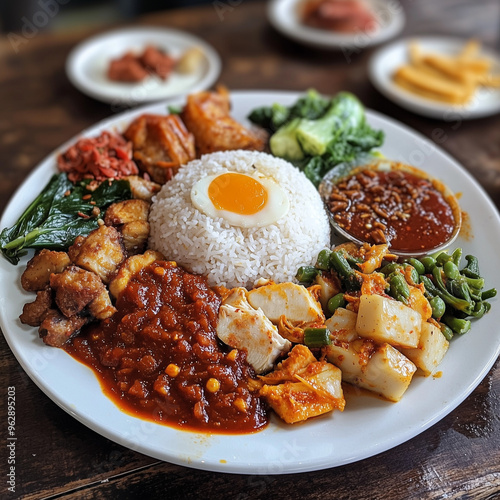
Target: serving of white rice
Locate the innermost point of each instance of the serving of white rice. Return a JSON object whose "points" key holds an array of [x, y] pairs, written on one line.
{"points": [[234, 256]]}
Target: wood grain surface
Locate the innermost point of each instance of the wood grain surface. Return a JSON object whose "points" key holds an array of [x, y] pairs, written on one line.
{"points": [[57, 457]]}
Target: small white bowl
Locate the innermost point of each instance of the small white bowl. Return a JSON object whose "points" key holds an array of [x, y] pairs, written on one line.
{"points": [[343, 171]]}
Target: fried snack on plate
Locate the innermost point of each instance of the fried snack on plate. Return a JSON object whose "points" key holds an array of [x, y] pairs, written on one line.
{"points": [[446, 78], [161, 145], [206, 115]]}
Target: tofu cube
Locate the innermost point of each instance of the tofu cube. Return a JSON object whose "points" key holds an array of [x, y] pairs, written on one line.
{"points": [[388, 373], [386, 320], [378, 368], [431, 349], [342, 325]]}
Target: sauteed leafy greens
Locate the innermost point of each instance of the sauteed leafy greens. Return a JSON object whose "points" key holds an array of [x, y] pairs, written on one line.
{"points": [[60, 213]]}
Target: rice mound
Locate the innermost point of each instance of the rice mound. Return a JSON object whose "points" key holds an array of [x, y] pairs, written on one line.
{"points": [[234, 256]]}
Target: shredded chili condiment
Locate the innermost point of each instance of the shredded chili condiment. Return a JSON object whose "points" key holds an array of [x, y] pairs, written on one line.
{"points": [[392, 206], [108, 156], [159, 357]]}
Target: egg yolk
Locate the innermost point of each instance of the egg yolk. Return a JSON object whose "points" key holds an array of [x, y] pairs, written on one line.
{"points": [[237, 193]]}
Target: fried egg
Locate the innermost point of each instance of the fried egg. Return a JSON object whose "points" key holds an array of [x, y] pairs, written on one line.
{"points": [[240, 199]]}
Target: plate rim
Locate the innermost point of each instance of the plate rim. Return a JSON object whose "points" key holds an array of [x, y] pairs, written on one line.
{"points": [[420, 105], [240, 467], [213, 59]]}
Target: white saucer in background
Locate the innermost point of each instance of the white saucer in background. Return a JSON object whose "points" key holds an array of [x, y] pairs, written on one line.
{"points": [[87, 65], [387, 59], [284, 16]]}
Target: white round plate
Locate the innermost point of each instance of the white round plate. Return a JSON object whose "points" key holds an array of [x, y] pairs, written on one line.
{"points": [[390, 17], [87, 65], [367, 426], [387, 59]]}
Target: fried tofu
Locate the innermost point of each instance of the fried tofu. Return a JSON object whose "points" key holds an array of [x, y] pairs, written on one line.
{"points": [[161, 144], [206, 115], [36, 276], [101, 252]]}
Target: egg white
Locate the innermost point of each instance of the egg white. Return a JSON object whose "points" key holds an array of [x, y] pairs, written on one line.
{"points": [[277, 204]]}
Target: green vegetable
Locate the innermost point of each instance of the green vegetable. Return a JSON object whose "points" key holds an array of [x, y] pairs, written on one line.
{"points": [[59, 214], [306, 274], [457, 325], [335, 302], [428, 262], [174, 110], [399, 289], [446, 331], [472, 268], [489, 294], [347, 275], [451, 270], [344, 114], [391, 268], [284, 142], [317, 337], [317, 133], [438, 307], [416, 264], [310, 106], [323, 260]]}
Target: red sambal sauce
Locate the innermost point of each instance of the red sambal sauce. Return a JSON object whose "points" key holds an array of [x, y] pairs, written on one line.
{"points": [[392, 206], [159, 357]]}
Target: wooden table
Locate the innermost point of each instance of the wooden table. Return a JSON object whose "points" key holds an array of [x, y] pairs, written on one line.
{"points": [[58, 457]]}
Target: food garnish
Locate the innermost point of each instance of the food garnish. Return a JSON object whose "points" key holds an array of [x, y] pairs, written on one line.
{"points": [[447, 78], [60, 213], [317, 133], [107, 156]]}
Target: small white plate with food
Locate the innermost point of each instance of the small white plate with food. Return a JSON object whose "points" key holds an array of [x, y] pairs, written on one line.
{"points": [[145, 64], [222, 252], [347, 25], [439, 77]]}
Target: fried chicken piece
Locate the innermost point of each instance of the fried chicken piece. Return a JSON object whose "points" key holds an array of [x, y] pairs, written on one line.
{"points": [[131, 217], [75, 288], [101, 307], [142, 189], [36, 276], [101, 252], [57, 329], [126, 211], [161, 145], [131, 266], [135, 236], [35, 312], [302, 387], [206, 115]]}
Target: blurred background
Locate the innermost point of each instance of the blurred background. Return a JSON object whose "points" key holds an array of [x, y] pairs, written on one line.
{"points": [[81, 13]]}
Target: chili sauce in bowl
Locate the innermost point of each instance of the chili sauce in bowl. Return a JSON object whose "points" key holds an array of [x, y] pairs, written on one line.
{"points": [[384, 201]]}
